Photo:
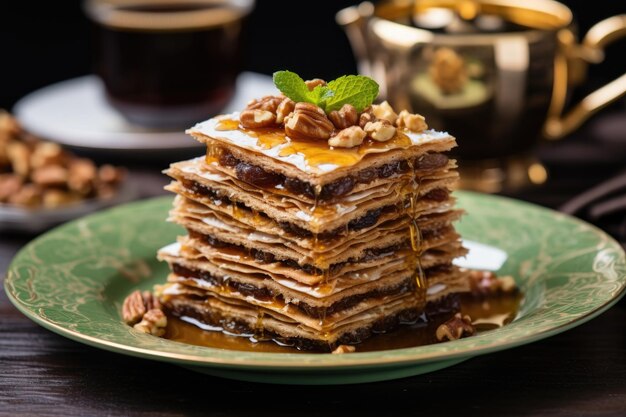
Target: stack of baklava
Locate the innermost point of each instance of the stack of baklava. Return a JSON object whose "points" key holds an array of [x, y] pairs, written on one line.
{"points": [[310, 245]]}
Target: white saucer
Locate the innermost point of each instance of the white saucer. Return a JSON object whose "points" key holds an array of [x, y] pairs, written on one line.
{"points": [[75, 113]]}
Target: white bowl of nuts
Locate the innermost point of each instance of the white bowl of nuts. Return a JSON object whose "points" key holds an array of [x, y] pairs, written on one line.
{"points": [[42, 185]]}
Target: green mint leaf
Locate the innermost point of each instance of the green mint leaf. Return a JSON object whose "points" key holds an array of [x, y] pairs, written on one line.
{"points": [[357, 90], [320, 95], [291, 85]]}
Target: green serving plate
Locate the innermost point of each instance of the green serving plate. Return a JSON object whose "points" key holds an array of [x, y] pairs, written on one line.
{"points": [[74, 279]]}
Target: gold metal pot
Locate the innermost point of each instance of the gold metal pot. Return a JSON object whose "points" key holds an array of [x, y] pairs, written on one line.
{"points": [[495, 73]]}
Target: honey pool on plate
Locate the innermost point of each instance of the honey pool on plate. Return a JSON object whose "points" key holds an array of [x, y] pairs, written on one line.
{"points": [[487, 313]]}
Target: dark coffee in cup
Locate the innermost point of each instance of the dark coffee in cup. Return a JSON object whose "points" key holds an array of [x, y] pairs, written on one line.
{"points": [[168, 64]]}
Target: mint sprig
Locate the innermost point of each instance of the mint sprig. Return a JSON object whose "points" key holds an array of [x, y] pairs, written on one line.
{"points": [[357, 90]]}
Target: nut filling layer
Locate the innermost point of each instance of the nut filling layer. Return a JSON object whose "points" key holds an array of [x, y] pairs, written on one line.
{"points": [[369, 219], [265, 294], [266, 257], [257, 176]]}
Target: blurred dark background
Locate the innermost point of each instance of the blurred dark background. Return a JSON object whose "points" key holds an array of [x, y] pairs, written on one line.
{"points": [[46, 42]]}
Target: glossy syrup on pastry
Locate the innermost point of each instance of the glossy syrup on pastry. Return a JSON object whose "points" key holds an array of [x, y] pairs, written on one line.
{"points": [[487, 313], [315, 152]]}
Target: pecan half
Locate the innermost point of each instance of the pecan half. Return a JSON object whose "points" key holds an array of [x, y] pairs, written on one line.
{"points": [[153, 322], [137, 304], [133, 308], [309, 122], [345, 117], [456, 328], [284, 109]]}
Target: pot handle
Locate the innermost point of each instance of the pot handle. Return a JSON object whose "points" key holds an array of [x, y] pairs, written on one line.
{"points": [[590, 50]]}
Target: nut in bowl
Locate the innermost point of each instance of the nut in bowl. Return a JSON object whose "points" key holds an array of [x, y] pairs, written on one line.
{"points": [[41, 184]]}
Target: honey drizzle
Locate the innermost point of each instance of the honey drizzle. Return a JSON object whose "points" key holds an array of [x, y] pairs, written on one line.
{"points": [[259, 329], [415, 235], [319, 261], [315, 152]]}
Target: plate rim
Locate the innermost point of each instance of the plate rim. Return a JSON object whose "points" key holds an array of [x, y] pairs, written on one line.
{"points": [[309, 362]]}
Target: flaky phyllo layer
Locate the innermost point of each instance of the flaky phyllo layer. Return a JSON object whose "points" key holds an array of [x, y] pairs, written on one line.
{"points": [[311, 244]]}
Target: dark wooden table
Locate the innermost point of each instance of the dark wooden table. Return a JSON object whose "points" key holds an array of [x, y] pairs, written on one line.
{"points": [[581, 372]]}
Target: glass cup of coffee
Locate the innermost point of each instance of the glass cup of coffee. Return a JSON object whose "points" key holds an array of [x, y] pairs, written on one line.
{"points": [[168, 63]]}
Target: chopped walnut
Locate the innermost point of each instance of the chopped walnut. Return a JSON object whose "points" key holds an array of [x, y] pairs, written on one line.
{"points": [[413, 122], [108, 174], [8, 125], [345, 117], [55, 198], [456, 328], [18, 154], [28, 195], [81, 175], [448, 71], [308, 121], [45, 154], [49, 176], [10, 184], [311, 84], [341, 349], [488, 283], [380, 130], [153, 322], [347, 138], [384, 111], [253, 119]]}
